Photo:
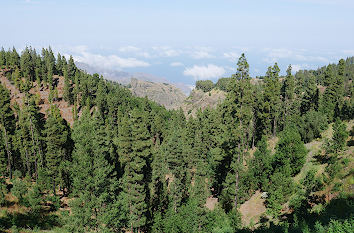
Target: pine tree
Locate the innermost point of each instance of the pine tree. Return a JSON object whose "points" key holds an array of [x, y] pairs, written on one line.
{"points": [[2, 57], [59, 66], [340, 135], [29, 136], [310, 97], [332, 100], [289, 97], [14, 59], [101, 96], [77, 89], [7, 125], [71, 68], [67, 88], [56, 132], [173, 154], [94, 181], [137, 171], [27, 66], [50, 77], [261, 165], [271, 99], [291, 152], [238, 117]]}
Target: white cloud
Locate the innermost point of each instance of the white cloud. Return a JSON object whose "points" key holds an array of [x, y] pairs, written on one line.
{"points": [[297, 67], [144, 54], [348, 52], [176, 64], [332, 2], [129, 49], [110, 61], [201, 53], [204, 72], [30, 1], [274, 55], [229, 68], [166, 51], [232, 56]]}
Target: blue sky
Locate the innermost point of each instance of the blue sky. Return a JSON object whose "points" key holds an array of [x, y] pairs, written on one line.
{"points": [[182, 40]]}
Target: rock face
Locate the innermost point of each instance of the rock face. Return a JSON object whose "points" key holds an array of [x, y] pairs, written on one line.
{"points": [[162, 93], [202, 100]]}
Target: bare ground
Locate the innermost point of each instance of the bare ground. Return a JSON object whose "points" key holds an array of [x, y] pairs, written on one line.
{"points": [[252, 209], [65, 108]]}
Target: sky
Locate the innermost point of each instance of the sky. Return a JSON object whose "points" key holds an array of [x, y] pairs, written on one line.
{"points": [[184, 40]]}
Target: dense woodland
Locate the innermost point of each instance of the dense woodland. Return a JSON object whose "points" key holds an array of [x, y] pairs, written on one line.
{"points": [[128, 164]]}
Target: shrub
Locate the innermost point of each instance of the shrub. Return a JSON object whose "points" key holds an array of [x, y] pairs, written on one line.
{"points": [[223, 84], [204, 85]]}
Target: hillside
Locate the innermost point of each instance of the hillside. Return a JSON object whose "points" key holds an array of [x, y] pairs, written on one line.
{"points": [[255, 208], [66, 110], [128, 164], [199, 100], [162, 93]]}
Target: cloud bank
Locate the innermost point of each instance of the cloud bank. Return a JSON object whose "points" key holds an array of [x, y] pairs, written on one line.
{"points": [[109, 62], [204, 72]]}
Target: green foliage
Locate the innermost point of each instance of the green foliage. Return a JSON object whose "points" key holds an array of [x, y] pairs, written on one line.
{"points": [[7, 126], [340, 135], [34, 198], [219, 222], [130, 164], [290, 155], [279, 190], [270, 105], [312, 124], [93, 178], [3, 191], [204, 85], [57, 134], [19, 190], [261, 165], [223, 84]]}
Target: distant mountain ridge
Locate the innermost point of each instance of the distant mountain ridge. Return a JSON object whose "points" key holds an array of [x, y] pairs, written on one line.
{"points": [[141, 84], [162, 93], [124, 78]]}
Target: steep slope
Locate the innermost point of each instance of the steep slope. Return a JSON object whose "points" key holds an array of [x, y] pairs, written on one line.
{"points": [[43, 93], [162, 93], [253, 209]]}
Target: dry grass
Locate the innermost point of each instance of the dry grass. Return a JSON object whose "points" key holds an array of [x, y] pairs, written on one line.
{"points": [[211, 202], [272, 144], [252, 209]]}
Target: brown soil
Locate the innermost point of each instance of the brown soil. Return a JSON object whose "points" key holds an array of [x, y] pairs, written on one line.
{"points": [[252, 209], [17, 96]]}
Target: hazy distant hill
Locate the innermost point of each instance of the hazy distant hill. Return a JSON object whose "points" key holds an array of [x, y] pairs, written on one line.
{"points": [[125, 77], [155, 88], [163, 93]]}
